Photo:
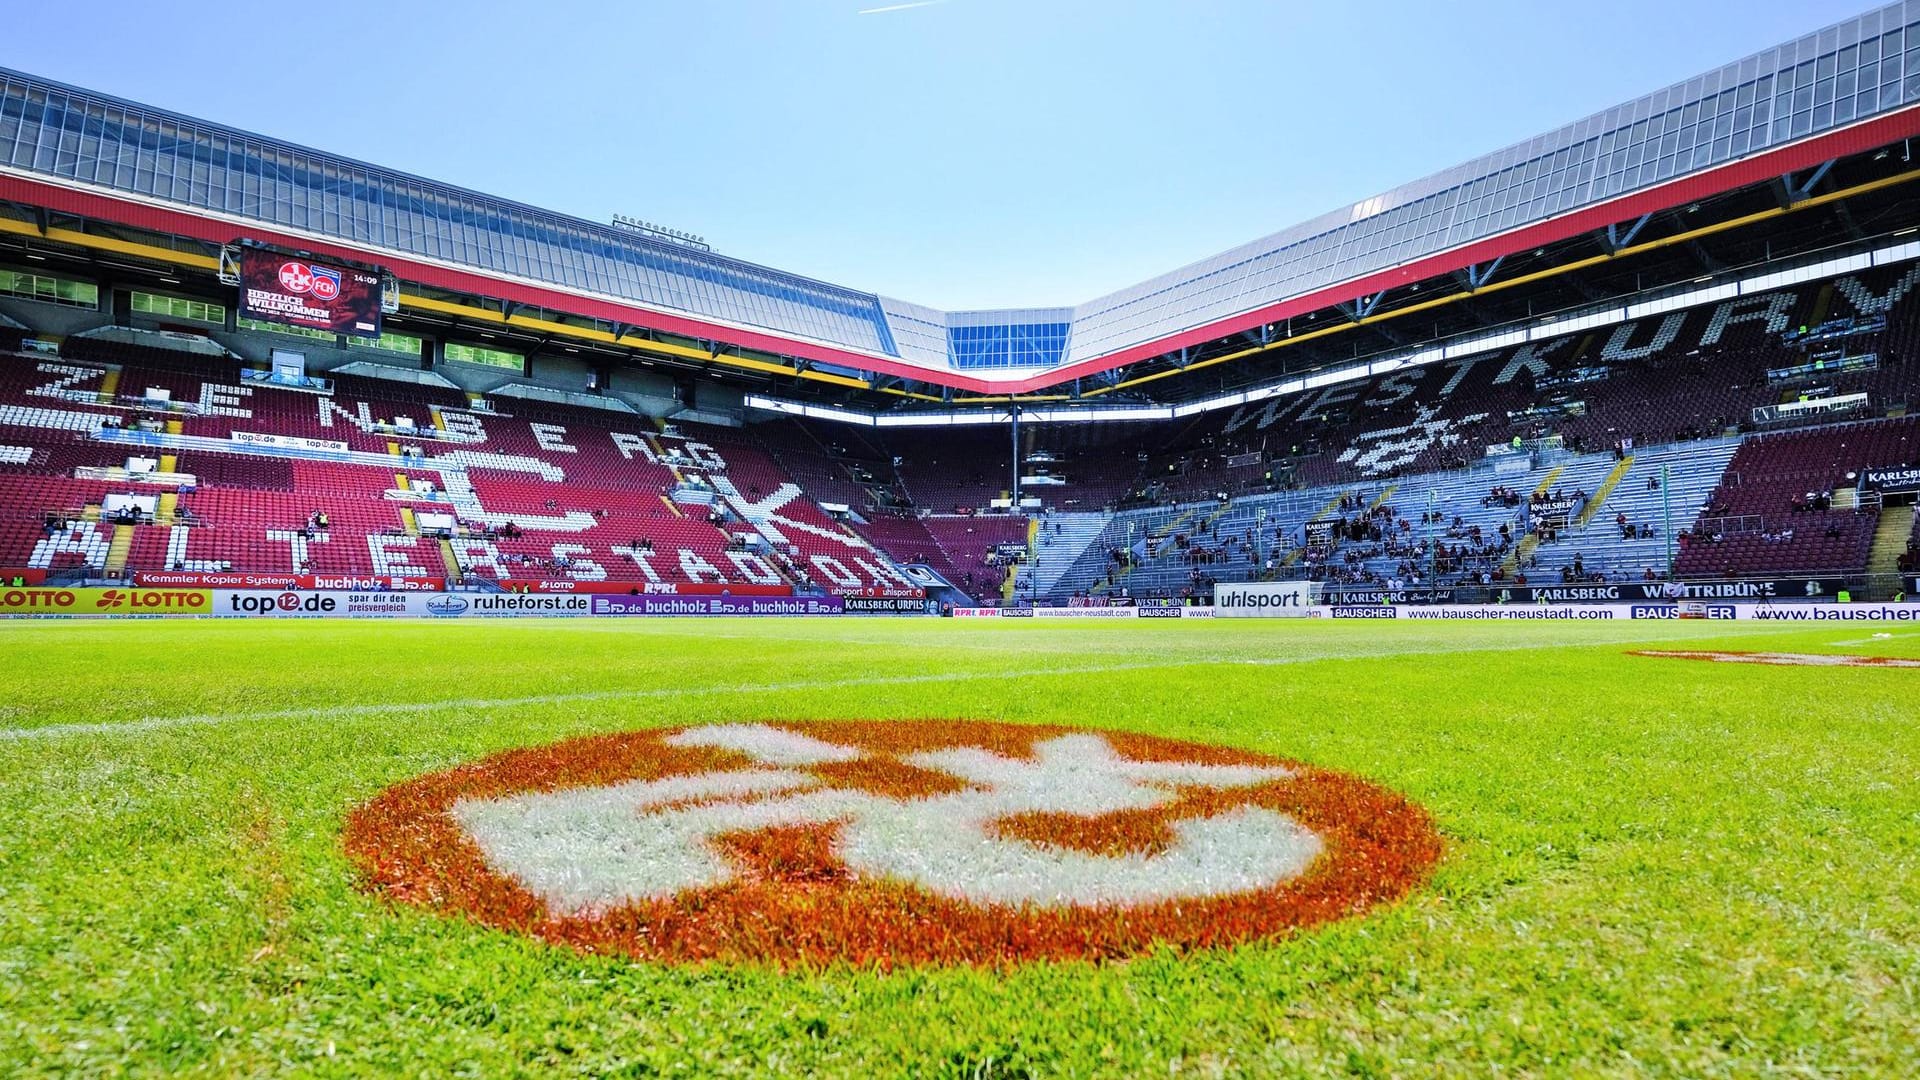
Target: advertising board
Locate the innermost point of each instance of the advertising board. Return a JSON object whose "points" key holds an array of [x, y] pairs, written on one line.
{"points": [[1892, 480], [1778, 589], [70, 602], [286, 442], [242, 603], [1554, 512], [714, 605], [653, 588], [1363, 611], [204, 579], [1264, 599], [887, 605]]}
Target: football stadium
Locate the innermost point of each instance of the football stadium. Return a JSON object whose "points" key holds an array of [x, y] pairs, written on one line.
{"points": [[447, 636]]}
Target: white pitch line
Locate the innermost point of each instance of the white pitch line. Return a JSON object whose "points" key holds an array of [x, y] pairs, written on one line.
{"points": [[1875, 639], [342, 712]]}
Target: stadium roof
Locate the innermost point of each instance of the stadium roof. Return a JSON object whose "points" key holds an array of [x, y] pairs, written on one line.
{"points": [[1843, 90]]}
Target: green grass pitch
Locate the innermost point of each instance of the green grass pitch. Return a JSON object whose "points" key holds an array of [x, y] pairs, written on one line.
{"points": [[1654, 867]]}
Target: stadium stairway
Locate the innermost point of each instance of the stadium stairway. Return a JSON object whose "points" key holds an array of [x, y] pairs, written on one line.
{"points": [[1599, 499], [450, 561], [1321, 514], [1127, 532], [117, 549], [1063, 540], [1521, 553], [1890, 539], [1173, 526], [1693, 471], [1118, 532], [1214, 518], [1529, 544], [1090, 564], [1546, 482], [1161, 549]]}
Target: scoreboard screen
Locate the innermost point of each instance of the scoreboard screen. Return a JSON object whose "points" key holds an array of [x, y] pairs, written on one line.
{"points": [[301, 292]]}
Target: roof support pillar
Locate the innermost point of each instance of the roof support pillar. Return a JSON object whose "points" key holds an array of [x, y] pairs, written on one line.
{"points": [[1480, 274], [1804, 189], [1787, 190], [1618, 238], [1363, 308]]}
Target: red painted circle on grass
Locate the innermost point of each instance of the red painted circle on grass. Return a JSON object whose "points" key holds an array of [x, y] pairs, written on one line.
{"points": [[1780, 659], [887, 844]]}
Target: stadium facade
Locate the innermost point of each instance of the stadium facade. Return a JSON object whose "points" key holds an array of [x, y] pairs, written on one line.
{"points": [[1788, 110], [1753, 223]]}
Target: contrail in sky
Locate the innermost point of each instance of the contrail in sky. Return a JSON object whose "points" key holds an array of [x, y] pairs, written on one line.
{"points": [[901, 7]]}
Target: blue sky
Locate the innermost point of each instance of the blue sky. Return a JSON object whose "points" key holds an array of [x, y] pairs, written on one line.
{"points": [[967, 153]]}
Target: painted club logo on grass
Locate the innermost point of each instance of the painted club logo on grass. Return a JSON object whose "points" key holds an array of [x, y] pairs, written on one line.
{"points": [[890, 843]]}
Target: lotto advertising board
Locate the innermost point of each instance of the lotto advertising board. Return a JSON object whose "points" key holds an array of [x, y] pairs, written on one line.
{"points": [[108, 602]]}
